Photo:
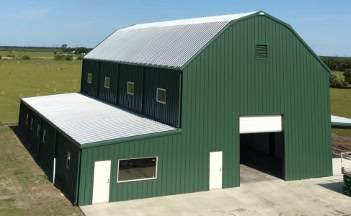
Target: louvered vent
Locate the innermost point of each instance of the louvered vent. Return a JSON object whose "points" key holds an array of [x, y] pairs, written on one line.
{"points": [[261, 52]]}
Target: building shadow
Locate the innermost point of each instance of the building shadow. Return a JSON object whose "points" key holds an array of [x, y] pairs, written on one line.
{"points": [[48, 175], [333, 185]]}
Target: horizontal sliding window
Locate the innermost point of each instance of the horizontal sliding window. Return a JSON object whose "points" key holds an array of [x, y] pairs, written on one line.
{"points": [[130, 88], [107, 82], [161, 95], [90, 78], [137, 169]]}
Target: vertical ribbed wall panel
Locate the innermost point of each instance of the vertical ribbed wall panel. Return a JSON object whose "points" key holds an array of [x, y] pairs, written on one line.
{"points": [[108, 69], [130, 73], [222, 83], [22, 122], [33, 137], [167, 79], [67, 177], [92, 67], [47, 149]]}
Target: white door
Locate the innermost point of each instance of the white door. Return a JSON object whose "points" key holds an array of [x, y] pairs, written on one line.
{"points": [[261, 124], [101, 190], [215, 170]]}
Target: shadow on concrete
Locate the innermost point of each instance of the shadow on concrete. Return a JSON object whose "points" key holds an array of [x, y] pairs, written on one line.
{"points": [[333, 185]]}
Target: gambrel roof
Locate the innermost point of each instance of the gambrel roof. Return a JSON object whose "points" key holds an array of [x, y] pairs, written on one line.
{"points": [[169, 44]]}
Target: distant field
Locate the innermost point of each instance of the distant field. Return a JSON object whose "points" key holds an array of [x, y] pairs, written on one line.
{"points": [[32, 54], [19, 78], [340, 100]]}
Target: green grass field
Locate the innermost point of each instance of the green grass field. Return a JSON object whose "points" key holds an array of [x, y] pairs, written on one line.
{"points": [[340, 102], [32, 54], [34, 77]]}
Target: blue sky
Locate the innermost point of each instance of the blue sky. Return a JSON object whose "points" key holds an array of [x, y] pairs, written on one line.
{"points": [[324, 25]]}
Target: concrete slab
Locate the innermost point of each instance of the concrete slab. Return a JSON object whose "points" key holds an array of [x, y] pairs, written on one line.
{"points": [[260, 195]]}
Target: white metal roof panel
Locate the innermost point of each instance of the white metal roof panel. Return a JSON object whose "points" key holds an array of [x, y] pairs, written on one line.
{"points": [[161, 44], [87, 120], [338, 120]]}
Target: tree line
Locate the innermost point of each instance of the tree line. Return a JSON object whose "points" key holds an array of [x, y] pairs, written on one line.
{"points": [[341, 64]]}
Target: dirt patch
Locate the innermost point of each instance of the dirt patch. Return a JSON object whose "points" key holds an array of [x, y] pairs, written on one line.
{"points": [[341, 144]]}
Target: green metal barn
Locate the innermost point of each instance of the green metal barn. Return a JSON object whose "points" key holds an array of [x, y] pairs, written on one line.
{"points": [[175, 107]]}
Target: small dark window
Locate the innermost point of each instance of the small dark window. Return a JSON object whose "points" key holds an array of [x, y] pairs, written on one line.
{"points": [[38, 129], [161, 95], [68, 160], [261, 51], [137, 169], [44, 135], [130, 88], [27, 118], [31, 124], [90, 78], [107, 82]]}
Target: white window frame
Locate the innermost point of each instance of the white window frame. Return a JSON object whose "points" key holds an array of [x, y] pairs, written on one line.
{"points": [[68, 158], [143, 179], [38, 129], [44, 135], [129, 82], [157, 100], [90, 80], [109, 78]]}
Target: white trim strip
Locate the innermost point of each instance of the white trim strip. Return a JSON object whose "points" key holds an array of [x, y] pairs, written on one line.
{"points": [[261, 124]]}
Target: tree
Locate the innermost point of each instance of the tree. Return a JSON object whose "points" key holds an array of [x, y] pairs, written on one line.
{"points": [[336, 82], [347, 75], [64, 47]]}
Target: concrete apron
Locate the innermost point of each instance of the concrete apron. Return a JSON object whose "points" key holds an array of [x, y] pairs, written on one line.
{"points": [[262, 195]]}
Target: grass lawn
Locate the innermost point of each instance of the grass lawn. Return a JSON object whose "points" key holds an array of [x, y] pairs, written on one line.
{"points": [[24, 188], [340, 102], [34, 77]]}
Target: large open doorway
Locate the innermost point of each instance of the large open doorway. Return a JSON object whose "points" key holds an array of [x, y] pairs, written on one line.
{"points": [[261, 148]]}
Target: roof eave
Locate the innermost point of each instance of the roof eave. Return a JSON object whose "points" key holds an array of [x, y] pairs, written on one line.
{"points": [[136, 64]]}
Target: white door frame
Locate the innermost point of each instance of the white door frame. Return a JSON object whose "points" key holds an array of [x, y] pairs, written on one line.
{"points": [[101, 183], [215, 170]]}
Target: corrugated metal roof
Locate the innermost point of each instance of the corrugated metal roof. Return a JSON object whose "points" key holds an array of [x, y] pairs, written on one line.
{"points": [[161, 44], [87, 120], [338, 121]]}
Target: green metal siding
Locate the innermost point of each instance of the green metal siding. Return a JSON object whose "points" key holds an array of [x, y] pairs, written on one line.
{"points": [[134, 74], [108, 69], [22, 122], [90, 66], [166, 79], [222, 83], [33, 138], [47, 149], [67, 178], [291, 82]]}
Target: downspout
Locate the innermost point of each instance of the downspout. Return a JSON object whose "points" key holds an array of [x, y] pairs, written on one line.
{"points": [[78, 178], [54, 168]]}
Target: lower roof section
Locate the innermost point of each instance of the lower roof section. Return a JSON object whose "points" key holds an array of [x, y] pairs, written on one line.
{"points": [[337, 121], [87, 120]]}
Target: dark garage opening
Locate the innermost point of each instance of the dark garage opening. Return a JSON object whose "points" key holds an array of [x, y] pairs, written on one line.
{"points": [[263, 152]]}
